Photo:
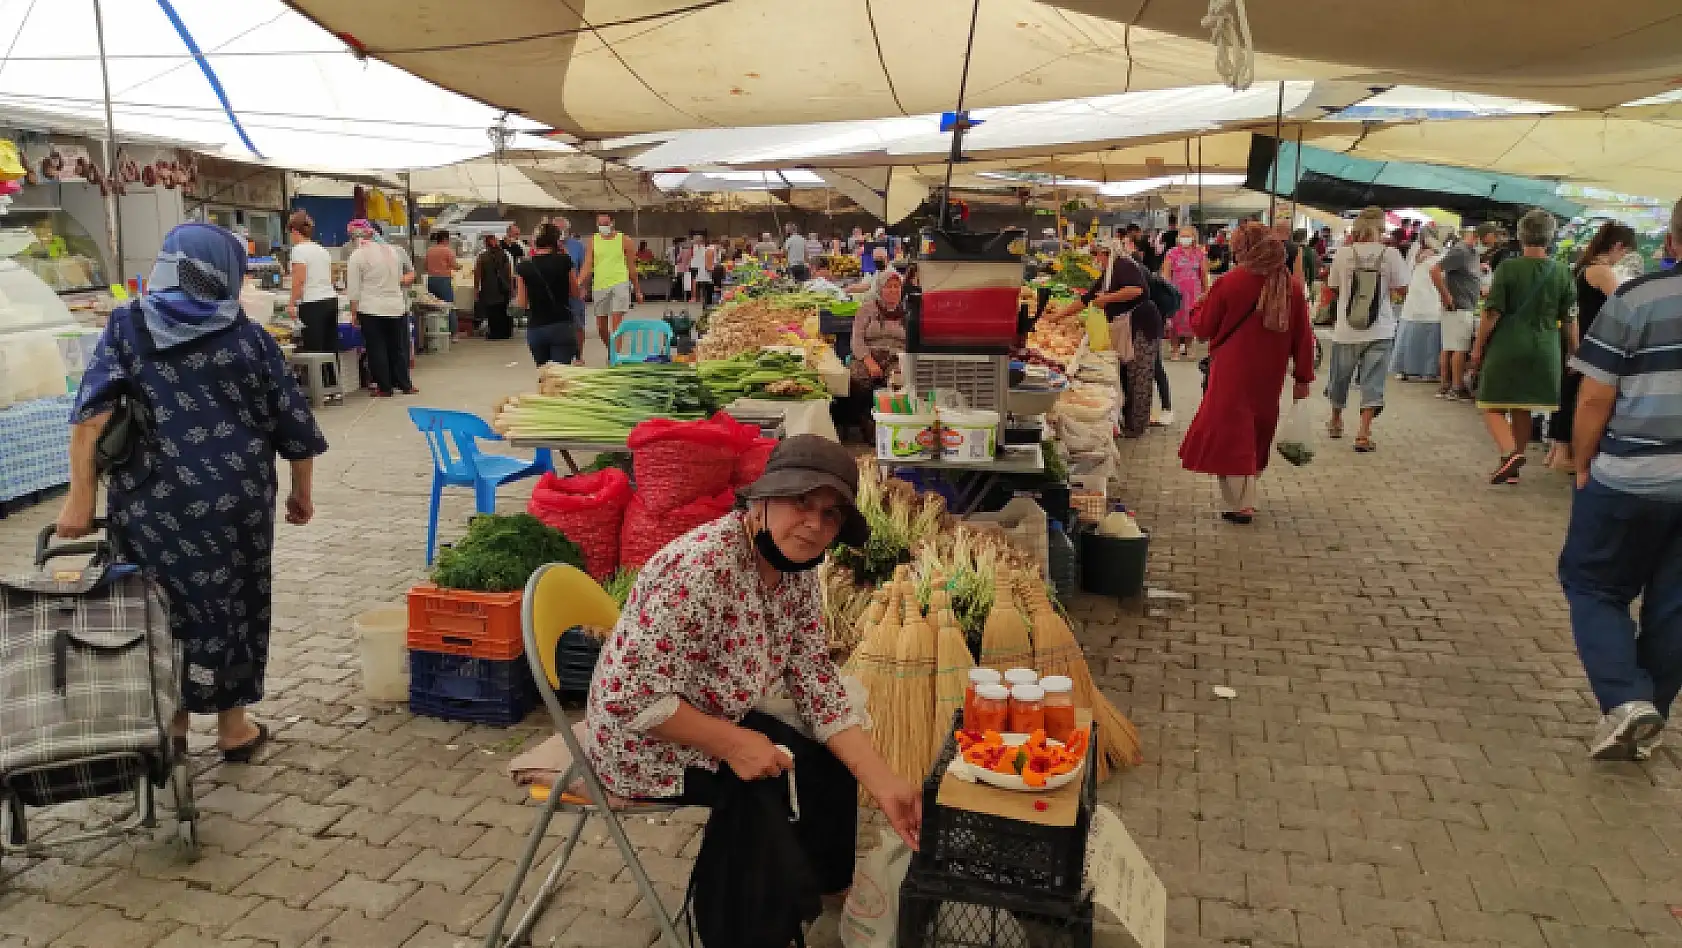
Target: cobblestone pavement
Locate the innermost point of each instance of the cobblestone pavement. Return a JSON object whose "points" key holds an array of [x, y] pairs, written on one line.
{"points": [[1403, 765]]}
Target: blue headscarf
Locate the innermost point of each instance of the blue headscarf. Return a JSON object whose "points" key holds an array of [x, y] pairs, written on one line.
{"points": [[195, 284]]}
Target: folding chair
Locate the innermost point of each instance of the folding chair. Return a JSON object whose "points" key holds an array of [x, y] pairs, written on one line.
{"points": [[557, 598]]}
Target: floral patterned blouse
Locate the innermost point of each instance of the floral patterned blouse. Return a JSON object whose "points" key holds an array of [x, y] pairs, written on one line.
{"points": [[701, 626]]}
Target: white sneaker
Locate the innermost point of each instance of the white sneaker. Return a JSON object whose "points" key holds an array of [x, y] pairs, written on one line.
{"points": [[1644, 749], [1625, 730], [1163, 419]]}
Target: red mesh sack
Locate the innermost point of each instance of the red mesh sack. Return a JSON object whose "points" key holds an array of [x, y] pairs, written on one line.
{"points": [[677, 462], [589, 509], [752, 461], [646, 531]]}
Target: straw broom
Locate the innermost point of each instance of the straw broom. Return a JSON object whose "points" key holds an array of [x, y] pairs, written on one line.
{"points": [[910, 721], [1057, 653], [1004, 639], [952, 678], [872, 663]]}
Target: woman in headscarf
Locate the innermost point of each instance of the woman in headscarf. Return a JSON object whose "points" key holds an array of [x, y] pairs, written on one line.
{"points": [[376, 282], [1122, 289], [878, 332], [1419, 339], [1185, 265], [1256, 321], [194, 504], [1598, 276], [493, 288]]}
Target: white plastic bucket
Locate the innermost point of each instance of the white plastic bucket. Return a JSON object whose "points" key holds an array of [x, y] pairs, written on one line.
{"points": [[903, 436], [384, 636], [969, 437]]}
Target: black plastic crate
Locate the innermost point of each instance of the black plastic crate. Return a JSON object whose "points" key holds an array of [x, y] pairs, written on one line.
{"points": [[940, 911], [479, 690], [979, 846]]}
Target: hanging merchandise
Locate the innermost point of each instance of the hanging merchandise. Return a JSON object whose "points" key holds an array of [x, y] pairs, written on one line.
{"points": [[379, 209], [11, 161]]}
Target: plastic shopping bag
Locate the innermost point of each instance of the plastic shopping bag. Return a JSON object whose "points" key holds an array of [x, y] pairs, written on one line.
{"points": [[871, 916], [1097, 330], [1296, 442]]}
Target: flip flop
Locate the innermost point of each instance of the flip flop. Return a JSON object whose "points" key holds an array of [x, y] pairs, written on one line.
{"points": [[243, 753], [1334, 431], [1508, 471], [1365, 445]]}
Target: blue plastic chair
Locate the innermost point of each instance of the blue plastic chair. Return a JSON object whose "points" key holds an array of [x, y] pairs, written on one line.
{"points": [[644, 337], [457, 462]]}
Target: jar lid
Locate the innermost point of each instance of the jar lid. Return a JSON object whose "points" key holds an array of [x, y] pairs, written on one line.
{"points": [[983, 676], [1057, 684], [992, 692], [1027, 693], [1021, 676]]}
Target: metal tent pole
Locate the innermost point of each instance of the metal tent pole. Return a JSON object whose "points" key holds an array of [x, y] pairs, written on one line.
{"points": [[1278, 133], [1200, 214], [1296, 176], [113, 209], [958, 122]]}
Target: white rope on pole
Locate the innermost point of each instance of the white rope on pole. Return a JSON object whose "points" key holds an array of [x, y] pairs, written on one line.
{"points": [[1235, 53]]}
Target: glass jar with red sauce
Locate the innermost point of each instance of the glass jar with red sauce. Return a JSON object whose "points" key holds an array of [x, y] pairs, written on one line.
{"points": [[990, 710], [977, 676], [1059, 707], [1027, 709]]}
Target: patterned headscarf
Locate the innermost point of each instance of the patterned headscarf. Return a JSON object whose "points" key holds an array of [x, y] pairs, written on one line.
{"points": [[1256, 249], [880, 283], [195, 284]]}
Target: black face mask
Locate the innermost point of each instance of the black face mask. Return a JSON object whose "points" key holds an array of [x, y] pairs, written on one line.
{"points": [[767, 547]]}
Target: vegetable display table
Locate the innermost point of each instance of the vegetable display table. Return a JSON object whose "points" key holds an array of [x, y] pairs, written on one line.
{"points": [[972, 483], [565, 448]]}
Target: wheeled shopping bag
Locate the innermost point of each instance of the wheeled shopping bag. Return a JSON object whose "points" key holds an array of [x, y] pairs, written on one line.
{"points": [[89, 681]]}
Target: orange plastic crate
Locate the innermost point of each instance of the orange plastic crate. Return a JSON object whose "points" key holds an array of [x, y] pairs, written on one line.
{"points": [[459, 622]]}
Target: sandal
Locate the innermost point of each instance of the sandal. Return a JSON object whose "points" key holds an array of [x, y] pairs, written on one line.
{"points": [[1365, 445], [1238, 516], [243, 753], [1334, 430], [1507, 473]]}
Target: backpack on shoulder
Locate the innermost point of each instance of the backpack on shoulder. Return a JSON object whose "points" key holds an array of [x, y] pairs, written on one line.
{"points": [[1366, 291]]}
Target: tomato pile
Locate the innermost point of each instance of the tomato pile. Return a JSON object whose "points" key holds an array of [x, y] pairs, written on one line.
{"points": [[1033, 761]]}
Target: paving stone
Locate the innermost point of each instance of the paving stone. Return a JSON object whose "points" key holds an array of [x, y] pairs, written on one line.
{"points": [[296, 848], [241, 805], [107, 927], [433, 936], [305, 817], [453, 873], [373, 899], [190, 937], [203, 908], [57, 880], [294, 886], [376, 828], [371, 862], [599, 931], [355, 930], [133, 895], [34, 921], [441, 807], [447, 838], [283, 926], [452, 911]]}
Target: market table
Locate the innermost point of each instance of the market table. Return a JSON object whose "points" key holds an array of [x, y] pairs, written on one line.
{"points": [[973, 482], [565, 448]]}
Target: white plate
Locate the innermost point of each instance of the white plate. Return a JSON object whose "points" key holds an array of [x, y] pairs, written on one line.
{"points": [[1012, 781]]}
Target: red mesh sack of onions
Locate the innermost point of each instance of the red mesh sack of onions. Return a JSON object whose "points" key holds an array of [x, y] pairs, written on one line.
{"points": [[589, 509], [647, 531], [677, 462]]}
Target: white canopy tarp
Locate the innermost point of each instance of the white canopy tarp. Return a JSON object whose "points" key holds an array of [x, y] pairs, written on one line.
{"points": [[1046, 128], [600, 68], [485, 181], [301, 99]]}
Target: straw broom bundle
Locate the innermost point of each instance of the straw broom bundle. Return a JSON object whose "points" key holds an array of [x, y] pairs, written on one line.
{"points": [[952, 677], [1004, 639], [910, 721], [872, 663], [1057, 653]]}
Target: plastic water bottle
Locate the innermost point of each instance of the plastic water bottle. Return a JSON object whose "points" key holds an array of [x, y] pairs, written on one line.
{"points": [[1065, 566]]}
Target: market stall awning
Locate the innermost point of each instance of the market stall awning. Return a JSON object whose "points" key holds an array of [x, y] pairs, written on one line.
{"points": [[270, 86], [485, 181], [599, 68], [1333, 181]]}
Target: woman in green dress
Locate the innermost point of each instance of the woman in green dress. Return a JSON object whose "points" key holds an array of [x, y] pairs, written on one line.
{"points": [[1526, 332]]}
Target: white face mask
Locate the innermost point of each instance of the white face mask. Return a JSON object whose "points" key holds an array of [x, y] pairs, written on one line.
{"points": [[605, 229], [1187, 241]]}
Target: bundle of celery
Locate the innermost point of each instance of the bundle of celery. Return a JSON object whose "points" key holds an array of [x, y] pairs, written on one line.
{"points": [[770, 374], [575, 403]]}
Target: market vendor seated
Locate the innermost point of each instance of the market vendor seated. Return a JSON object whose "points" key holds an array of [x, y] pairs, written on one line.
{"points": [[878, 332], [721, 620]]}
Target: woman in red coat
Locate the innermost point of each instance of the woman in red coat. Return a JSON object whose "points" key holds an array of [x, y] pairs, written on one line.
{"points": [[1256, 320]]}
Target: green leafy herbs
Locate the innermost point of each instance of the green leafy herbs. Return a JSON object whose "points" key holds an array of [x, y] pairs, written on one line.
{"points": [[607, 459], [768, 374], [499, 553], [619, 584], [1055, 470]]}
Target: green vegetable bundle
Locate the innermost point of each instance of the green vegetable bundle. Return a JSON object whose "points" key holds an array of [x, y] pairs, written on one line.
{"points": [[603, 404], [499, 553], [771, 374], [619, 584]]}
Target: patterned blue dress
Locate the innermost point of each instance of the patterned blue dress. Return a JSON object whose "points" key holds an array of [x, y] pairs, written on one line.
{"points": [[195, 506]]}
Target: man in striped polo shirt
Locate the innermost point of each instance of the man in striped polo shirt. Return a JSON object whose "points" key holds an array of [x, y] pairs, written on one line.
{"points": [[1625, 538]]}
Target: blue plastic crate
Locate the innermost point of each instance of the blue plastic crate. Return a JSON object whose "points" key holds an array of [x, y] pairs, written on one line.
{"points": [[460, 688]]}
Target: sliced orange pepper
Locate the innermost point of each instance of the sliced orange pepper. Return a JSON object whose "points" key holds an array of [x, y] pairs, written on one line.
{"points": [[1033, 778]]}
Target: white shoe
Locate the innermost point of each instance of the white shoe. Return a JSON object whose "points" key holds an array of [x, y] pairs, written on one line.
{"points": [[1644, 749], [1164, 419], [1625, 730]]}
